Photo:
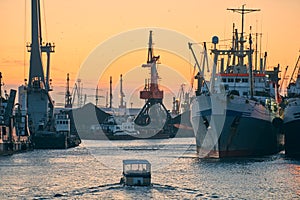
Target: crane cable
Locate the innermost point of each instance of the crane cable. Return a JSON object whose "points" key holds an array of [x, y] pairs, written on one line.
{"points": [[45, 22], [25, 36]]}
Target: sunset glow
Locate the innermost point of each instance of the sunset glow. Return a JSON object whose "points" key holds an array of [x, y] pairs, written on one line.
{"points": [[78, 27]]}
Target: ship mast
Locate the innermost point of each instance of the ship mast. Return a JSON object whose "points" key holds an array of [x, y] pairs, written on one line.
{"points": [[68, 96], [110, 92], [242, 11], [96, 97], [242, 53], [122, 95]]}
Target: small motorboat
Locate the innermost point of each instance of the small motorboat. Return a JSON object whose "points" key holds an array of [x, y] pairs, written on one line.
{"points": [[136, 173]]}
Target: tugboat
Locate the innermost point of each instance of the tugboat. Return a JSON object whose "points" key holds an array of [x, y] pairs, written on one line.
{"points": [[59, 135], [40, 106], [292, 114], [136, 173], [232, 115], [14, 132]]}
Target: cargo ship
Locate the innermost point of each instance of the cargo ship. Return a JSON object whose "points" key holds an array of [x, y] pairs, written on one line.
{"points": [[235, 114]]}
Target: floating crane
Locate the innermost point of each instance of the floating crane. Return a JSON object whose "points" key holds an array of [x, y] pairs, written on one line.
{"points": [[46, 129], [151, 93], [40, 104]]}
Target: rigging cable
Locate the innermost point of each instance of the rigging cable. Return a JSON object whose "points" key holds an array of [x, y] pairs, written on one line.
{"points": [[25, 36], [45, 22]]}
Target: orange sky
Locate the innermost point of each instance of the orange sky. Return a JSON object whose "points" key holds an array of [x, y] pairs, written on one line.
{"points": [[77, 27]]}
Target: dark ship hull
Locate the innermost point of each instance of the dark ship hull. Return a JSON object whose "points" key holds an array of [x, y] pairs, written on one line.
{"points": [[291, 127], [244, 129], [48, 140], [292, 138], [246, 139]]}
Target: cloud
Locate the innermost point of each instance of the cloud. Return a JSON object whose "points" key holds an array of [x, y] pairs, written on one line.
{"points": [[11, 62]]}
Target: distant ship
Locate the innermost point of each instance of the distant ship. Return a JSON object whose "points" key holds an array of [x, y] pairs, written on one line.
{"points": [[119, 128], [181, 113], [124, 128], [233, 115], [14, 133], [292, 114]]}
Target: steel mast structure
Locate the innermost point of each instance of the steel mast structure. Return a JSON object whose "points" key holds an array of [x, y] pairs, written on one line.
{"points": [[39, 102], [68, 96], [122, 95]]}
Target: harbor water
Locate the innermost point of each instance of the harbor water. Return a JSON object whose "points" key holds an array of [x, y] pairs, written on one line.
{"points": [[93, 171]]}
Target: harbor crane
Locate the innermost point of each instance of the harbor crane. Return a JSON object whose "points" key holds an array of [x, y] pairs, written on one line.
{"points": [[152, 94]]}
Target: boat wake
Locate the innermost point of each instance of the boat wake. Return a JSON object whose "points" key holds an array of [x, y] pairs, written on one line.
{"points": [[115, 189]]}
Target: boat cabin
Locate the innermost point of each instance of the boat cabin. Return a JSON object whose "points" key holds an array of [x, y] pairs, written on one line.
{"points": [[62, 122], [136, 173]]}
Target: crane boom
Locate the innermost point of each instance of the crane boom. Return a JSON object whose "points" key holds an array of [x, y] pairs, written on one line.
{"points": [[200, 75], [195, 58], [283, 77], [293, 76]]}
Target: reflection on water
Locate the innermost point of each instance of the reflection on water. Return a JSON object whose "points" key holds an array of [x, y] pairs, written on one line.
{"points": [[294, 170], [93, 171]]}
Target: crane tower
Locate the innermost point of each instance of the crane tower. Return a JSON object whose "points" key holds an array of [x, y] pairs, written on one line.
{"points": [[154, 109]]}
